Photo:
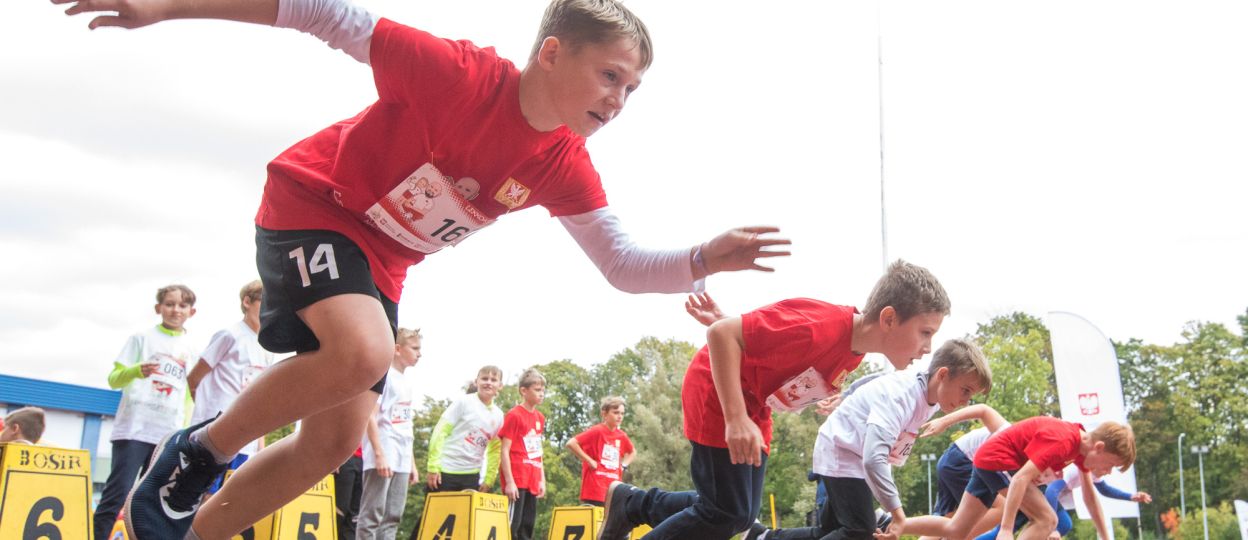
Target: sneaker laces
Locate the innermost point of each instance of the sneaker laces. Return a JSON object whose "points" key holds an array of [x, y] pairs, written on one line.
{"points": [[191, 483]]}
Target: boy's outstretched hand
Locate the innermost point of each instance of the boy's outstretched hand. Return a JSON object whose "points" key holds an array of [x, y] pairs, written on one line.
{"points": [[740, 249], [120, 13], [139, 13], [703, 308]]}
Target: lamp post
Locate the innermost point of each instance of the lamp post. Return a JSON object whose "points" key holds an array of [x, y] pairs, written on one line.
{"points": [[1200, 452], [929, 458], [1182, 499]]}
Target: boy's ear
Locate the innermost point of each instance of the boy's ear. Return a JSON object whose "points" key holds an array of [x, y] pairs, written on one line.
{"points": [[888, 317], [548, 53], [156, 308], [192, 313]]}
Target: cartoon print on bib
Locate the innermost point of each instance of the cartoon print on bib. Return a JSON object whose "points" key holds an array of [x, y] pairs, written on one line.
{"points": [[427, 211], [902, 448], [806, 388]]}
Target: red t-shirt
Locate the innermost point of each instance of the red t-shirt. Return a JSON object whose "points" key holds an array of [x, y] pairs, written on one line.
{"points": [[607, 447], [797, 351], [524, 428], [1050, 443], [443, 152]]}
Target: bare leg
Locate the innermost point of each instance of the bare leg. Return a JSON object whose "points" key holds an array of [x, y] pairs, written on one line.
{"points": [[328, 388], [1039, 513], [356, 349], [991, 519], [970, 510]]}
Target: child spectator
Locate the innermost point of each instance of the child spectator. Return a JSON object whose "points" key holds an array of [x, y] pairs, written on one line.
{"points": [[1014, 461], [389, 467], [23, 426], [231, 361], [523, 476], [457, 138], [605, 452], [150, 370], [783, 356], [875, 429], [465, 439]]}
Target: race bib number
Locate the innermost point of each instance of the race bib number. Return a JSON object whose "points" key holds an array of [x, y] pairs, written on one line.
{"points": [[902, 448], [800, 391], [401, 412], [533, 445], [610, 457], [427, 212]]}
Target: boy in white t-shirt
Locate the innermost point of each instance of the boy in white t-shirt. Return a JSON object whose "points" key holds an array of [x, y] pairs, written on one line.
{"points": [[389, 467], [231, 361], [465, 439], [874, 429], [150, 371]]}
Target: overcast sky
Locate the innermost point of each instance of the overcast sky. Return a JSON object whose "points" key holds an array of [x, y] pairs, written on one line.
{"points": [[1070, 155]]}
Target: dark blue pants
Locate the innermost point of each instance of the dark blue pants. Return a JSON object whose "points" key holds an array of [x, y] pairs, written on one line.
{"points": [[847, 514], [129, 461], [726, 500]]}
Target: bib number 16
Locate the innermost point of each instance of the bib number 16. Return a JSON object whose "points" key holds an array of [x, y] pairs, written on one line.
{"points": [[322, 261]]}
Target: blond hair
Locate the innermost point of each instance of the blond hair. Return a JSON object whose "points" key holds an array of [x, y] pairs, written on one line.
{"points": [[1119, 440], [30, 419], [403, 335], [188, 295], [610, 403], [253, 291], [490, 370], [910, 290], [962, 356], [578, 22], [531, 377]]}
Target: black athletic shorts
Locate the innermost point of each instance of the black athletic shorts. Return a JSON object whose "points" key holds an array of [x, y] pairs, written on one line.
{"points": [[300, 268]]}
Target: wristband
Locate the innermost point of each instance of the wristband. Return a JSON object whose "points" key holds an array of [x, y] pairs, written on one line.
{"points": [[700, 262]]}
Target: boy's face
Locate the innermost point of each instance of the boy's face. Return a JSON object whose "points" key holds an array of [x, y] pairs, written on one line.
{"points": [[953, 393], [10, 433], [905, 342], [487, 386], [1099, 461], [613, 417], [408, 352], [173, 310], [534, 394], [251, 308], [592, 82]]}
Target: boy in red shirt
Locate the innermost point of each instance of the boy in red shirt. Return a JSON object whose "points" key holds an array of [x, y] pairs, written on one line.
{"points": [[523, 477], [1014, 462], [783, 356], [458, 138], [604, 450]]}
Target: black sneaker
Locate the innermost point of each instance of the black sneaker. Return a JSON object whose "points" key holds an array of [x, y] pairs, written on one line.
{"points": [[615, 525], [757, 531], [885, 519], [163, 503]]}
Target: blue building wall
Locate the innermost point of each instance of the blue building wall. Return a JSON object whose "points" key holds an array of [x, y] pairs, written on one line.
{"points": [[93, 403]]}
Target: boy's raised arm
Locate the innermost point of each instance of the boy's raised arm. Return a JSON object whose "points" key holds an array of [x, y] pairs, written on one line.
{"points": [[340, 24], [139, 13]]}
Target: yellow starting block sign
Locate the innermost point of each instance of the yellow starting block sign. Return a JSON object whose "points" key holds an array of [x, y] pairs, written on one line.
{"points": [[465, 515], [311, 516], [582, 523], [45, 492]]}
